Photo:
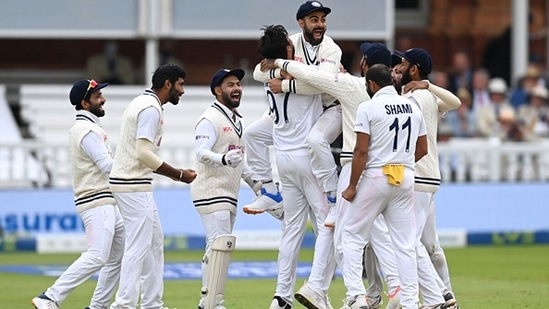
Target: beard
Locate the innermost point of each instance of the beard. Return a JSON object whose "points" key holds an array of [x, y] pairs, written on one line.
{"points": [[173, 96], [311, 38], [97, 110], [406, 78], [370, 92], [228, 101]]}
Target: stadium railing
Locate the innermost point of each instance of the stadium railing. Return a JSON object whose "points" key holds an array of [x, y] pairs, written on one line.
{"points": [[461, 161], [45, 162]]}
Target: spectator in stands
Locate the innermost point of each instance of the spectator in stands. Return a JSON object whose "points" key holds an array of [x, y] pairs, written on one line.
{"points": [[91, 162], [535, 114], [480, 91], [462, 121], [510, 128], [525, 85], [461, 75], [110, 66], [489, 115], [440, 78]]}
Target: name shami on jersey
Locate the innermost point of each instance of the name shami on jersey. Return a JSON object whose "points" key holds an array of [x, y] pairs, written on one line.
{"points": [[398, 109]]}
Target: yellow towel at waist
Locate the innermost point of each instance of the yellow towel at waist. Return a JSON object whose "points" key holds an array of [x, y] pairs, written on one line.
{"points": [[394, 172]]}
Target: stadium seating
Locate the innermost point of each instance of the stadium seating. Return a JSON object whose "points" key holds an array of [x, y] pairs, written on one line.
{"points": [[47, 109]]}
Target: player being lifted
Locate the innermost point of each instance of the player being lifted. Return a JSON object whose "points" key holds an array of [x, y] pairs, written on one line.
{"points": [[312, 47]]}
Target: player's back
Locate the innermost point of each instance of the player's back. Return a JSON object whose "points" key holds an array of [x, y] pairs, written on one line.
{"points": [[394, 124], [294, 116]]}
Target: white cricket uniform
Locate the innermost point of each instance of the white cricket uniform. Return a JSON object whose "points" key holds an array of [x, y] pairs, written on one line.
{"points": [[215, 189], [394, 124], [427, 183], [293, 117], [91, 161], [325, 57], [350, 91], [131, 183]]}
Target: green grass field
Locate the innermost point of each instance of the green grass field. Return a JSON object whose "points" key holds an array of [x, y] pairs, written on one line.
{"points": [[482, 277]]}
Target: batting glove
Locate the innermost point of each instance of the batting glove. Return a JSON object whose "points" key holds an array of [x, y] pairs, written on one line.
{"points": [[232, 158]]}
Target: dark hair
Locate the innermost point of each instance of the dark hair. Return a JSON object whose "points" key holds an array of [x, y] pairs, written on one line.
{"points": [[273, 42], [165, 72], [380, 74]]}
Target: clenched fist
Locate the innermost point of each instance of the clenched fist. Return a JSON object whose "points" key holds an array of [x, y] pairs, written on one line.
{"points": [[187, 175]]}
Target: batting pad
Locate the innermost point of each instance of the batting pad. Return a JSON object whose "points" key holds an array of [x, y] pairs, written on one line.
{"points": [[217, 266]]}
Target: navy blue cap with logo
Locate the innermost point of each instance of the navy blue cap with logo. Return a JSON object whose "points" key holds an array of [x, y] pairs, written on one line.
{"points": [[220, 75], [309, 7], [376, 53], [82, 89], [419, 57]]}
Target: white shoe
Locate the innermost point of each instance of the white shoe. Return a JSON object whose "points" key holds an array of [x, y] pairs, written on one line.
{"points": [[43, 302], [374, 302], [277, 213], [358, 302], [449, 296], [279, 303], [394, 300], [266, 201], [449, 304], [332, 214], [310, 298]]}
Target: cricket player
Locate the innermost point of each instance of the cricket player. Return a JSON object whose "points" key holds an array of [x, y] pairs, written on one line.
{"points": [[91, 162], [312, 47], [391, 137], [351, 91], [219, 150], [131, 180], [416, 65], [294, 117]]}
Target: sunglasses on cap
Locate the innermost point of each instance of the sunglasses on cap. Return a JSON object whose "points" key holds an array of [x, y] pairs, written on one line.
{"points": [[91, 86]]}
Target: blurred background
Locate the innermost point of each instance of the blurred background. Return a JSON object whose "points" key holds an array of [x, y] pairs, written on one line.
{"points": [[494, 150]]}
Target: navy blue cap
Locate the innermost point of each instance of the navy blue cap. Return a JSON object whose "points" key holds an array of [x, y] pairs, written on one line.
{"points": [[419, 57], [82, 89], [376, 53], [309, 7], [396, 59], [220, 75]]}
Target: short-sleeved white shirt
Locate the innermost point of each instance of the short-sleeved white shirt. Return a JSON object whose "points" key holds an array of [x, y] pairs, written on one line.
{"points": [[394, 124]]}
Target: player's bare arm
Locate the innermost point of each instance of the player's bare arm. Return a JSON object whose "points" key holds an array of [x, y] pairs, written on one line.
{"points": [[275, 85], [421, 147], [267, 64], [176, 174]]}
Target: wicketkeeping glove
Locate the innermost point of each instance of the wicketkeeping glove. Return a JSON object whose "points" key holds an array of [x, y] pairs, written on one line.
{"points": [[232, 158]]}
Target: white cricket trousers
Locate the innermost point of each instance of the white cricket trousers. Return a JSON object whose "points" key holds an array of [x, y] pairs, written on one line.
{"points": [[215, 223], [324, 132], [258, 136], [302, 193], [379, 241], [105, 237], [431, 286], [143, 261], [375, 196], [430, 240]]}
